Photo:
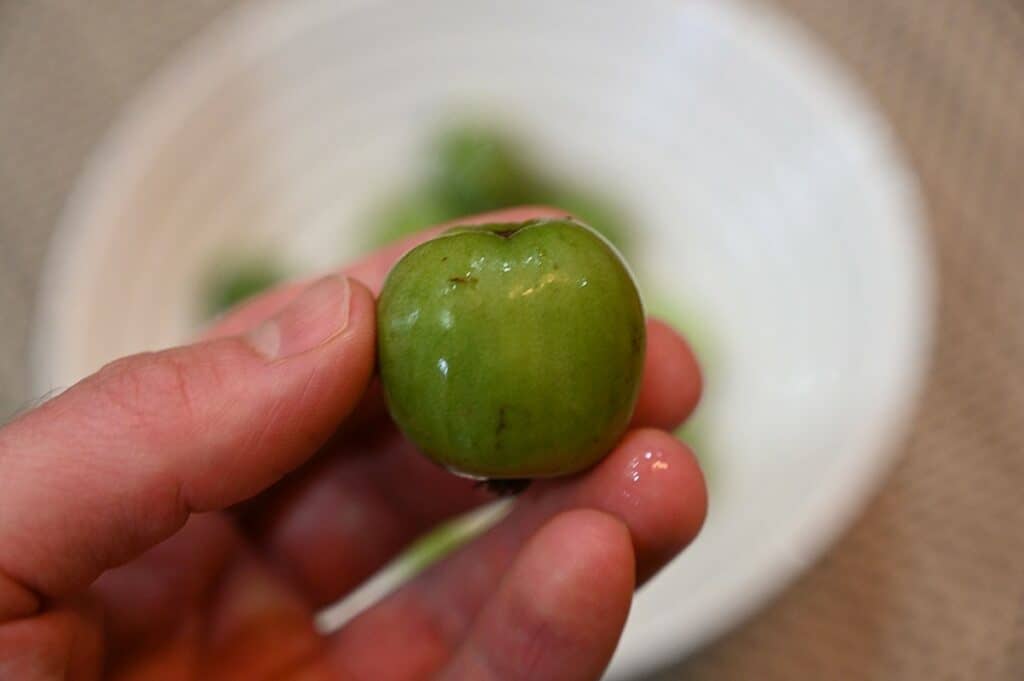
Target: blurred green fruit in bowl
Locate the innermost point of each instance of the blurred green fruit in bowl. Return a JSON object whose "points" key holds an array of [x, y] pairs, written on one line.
{"points": [[474, 169], [235, 281]]}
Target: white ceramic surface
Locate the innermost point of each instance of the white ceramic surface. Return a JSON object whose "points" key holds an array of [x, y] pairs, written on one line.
{"points": [[773, 202]]}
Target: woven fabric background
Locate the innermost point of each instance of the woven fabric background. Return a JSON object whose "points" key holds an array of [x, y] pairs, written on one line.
{"points": [[929, 584]]}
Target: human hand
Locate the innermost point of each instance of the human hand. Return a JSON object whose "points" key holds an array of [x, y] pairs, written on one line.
{"points": [[183, 514]]}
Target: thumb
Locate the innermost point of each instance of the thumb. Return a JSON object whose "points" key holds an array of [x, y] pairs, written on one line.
{"points": [[115, 464]]}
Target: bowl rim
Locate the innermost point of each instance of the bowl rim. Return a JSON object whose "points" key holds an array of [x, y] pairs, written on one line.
{"points": [[257, 27]]}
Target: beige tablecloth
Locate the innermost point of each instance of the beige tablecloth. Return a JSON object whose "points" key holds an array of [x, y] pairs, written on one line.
{"points": [[930, 582]]}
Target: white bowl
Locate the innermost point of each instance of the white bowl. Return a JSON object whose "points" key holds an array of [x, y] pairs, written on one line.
{"points": [[773, 202]]}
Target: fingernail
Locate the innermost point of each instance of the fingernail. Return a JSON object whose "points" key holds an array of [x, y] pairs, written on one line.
{"points": [[317, 315]]}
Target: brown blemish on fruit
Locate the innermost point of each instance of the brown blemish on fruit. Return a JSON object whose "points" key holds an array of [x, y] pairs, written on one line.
{"points": [[502, 420], [637, 341], [506, 232]]}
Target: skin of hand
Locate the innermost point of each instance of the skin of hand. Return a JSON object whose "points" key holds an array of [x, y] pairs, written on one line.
{"points": [[183, 514]]}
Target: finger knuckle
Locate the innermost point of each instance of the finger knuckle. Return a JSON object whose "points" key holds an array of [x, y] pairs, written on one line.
{"points": [[151, 388]]}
